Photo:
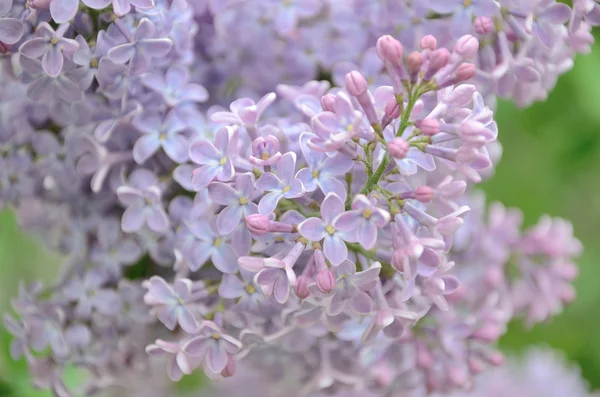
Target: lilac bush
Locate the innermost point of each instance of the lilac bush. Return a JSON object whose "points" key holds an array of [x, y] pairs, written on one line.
{"points": [[288, 184]]}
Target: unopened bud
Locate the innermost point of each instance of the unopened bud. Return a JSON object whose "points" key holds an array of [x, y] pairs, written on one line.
{"points": [[467, 46], [356, 85], [389, 49], [484, 25], [327, 102], [301, 287], [398, 148], [429, 127], [258, 224], [424, 194], [325, 281], [428, 42]]}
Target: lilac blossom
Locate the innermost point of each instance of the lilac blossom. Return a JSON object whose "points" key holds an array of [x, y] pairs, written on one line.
{"points": [[212, 346], [364, 219], [463, 12], [174, 86], [214, 159], [166, 134], [317, 229], [238, 201], [50, 45], [289, 186], [173, 304]]}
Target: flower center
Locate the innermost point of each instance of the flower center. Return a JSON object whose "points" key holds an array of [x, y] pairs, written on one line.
{"points": [[216, 336], [278, 239], [243, 200], [467, 3], [315, 174], [367, 213], [94, 63], [250, 289], [330, 229], [180, 301], [350, 127], [54, 41], [223, 161], [287, 189], [162, 137], [217, 242], [265, 156]]}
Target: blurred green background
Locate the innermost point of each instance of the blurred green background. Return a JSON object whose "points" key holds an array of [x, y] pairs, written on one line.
{"points": [[550, 165]]}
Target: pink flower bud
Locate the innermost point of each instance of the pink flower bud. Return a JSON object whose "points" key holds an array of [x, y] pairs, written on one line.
{"points": [[356, 85], [229, 369], [40, 4], [438, 59], [484, 25], [429, 127], [258, 224], [424, 194], [327, 102], [464, 72], [495, 358], [325, 281], [4, 48], [467, 46], [428, 43], [568, 294], [414, 62], [494, 277], [476, 365], [392, 109], [301, 286], [489, 332], [398, 148], [389, 49], [424, 357]]}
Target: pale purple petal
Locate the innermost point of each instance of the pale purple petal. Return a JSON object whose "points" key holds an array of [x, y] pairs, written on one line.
{"points": [[203, 152], [11, 30], [145, 147], [269, 202], [312, 229], [216, 359], [63, 10], [229, 218], [225, 259]]}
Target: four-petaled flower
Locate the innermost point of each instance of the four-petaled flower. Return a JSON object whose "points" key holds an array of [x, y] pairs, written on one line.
{"points": [[214, 160], [172, 304], [317, 229], [213, 346], [289, 186], [49, 45], [238, 201], [364, 218], [174, 86], [157, 133]]}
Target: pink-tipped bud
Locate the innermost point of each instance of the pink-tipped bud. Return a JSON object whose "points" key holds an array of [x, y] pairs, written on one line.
{"points": [[40, 4], [429, 127], [464, 72], [424, 194], [414, 62], [495, 358], [438, 59], [327, 102], [489, 332], [392, 109], [484, 25], [568, 294], [398, 148], [476, 365], [325, 281], [356, 84], [467, 46], [428, 42], [229, 369], [258, 224], [389, 49], [4, 48], [301, 286]]}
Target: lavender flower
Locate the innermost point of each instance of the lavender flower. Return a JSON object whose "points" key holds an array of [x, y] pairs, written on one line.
{"points": [[50, 46]]}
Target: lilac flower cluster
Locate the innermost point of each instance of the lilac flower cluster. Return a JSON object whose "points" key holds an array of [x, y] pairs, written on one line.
{"points": [[331, 236], [540, 372]]}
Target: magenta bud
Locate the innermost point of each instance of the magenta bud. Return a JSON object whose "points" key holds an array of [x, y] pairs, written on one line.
{"points": [[325, 281], [424, 194], [327, 102], [258, 224], [392, 109], [439, 58], [476, 365], [467, 46], [484, 25], [464, 72], [40, 4], [398, 148], [229, 369], [356, 85], [301, 286], [389, 49], [489, 332], [495, 358], [429, 127], [414, 62], [428, 42]]}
